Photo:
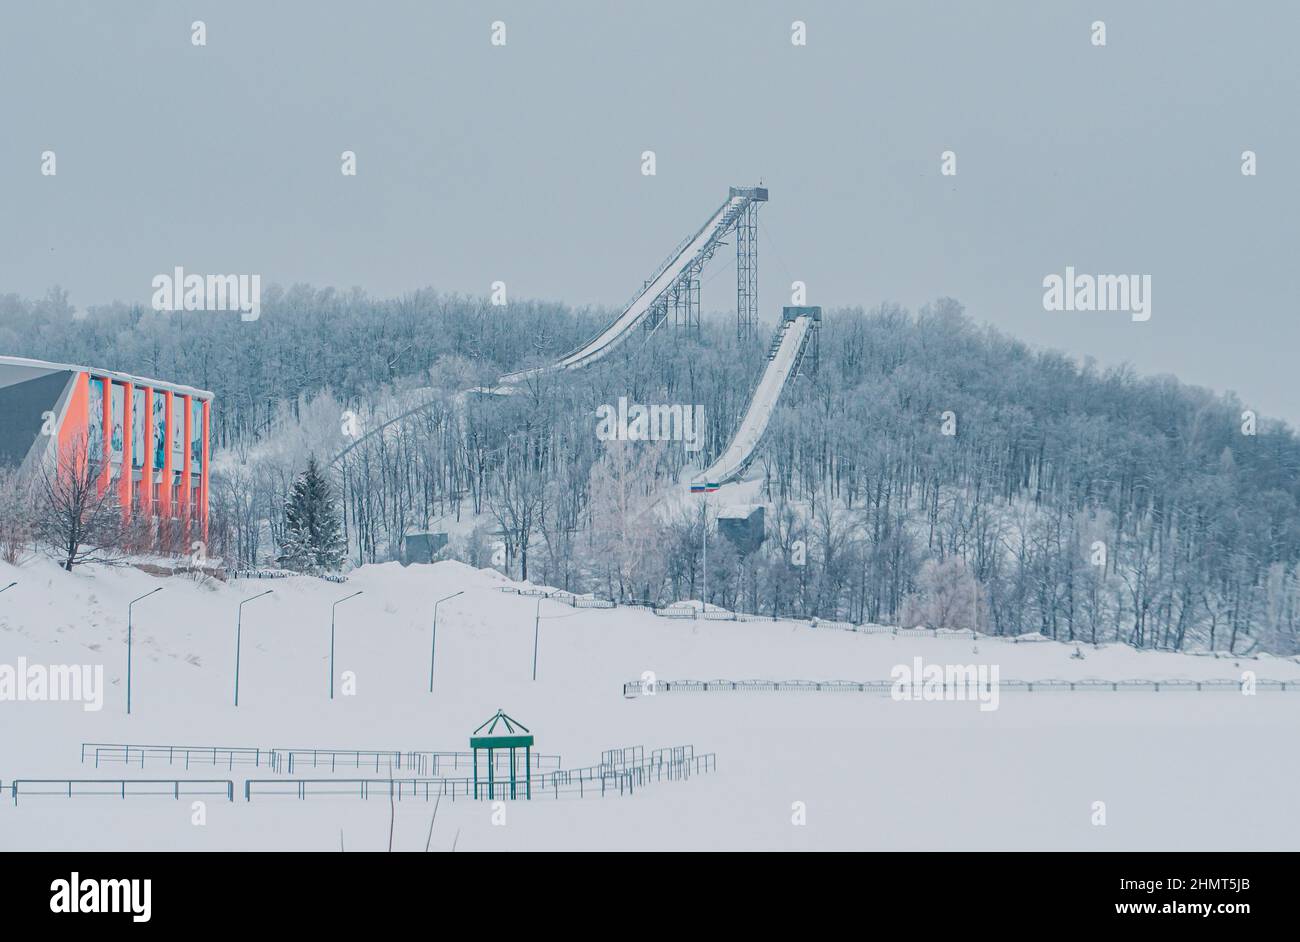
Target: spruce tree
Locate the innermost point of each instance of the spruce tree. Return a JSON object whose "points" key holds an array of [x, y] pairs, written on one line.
{"points": [[313, 533]]}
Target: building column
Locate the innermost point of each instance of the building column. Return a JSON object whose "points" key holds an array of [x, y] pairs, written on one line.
{"points": [[165, 488], [106, 433], [126, 472], [203, 477], [145, 496], [186, 513]]}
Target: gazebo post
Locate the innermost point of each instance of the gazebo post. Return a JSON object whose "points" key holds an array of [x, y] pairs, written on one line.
{"points": [[476, 772], [492, 794], [528, 772]]}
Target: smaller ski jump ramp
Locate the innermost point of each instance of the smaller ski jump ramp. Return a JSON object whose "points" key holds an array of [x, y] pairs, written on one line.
{"points": [[797, 327]]}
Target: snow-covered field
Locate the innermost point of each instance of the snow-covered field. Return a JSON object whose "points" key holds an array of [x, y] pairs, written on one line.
{"points": [[1176, 770]]}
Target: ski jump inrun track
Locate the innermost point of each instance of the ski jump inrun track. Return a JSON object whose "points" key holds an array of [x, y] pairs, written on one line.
{"points": [[675, 286]]}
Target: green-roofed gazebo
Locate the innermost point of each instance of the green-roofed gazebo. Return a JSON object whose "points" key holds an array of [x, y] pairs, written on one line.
{"points": [[503, 732]]}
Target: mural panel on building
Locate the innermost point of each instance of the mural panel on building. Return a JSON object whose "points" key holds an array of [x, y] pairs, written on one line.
{"points": [[117, 423], [137, 429], [196, 435], [95, 424], [159, 429], [177, 433]]}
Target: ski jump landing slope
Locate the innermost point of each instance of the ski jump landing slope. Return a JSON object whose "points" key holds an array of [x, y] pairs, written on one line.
{"points": [[782, 367], [693, 251]]}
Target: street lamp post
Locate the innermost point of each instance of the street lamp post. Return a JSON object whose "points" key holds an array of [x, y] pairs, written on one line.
{"points": [[129, 606], [239, 626], [704, 542], [537, 620], [332, 610], [433, 648]]}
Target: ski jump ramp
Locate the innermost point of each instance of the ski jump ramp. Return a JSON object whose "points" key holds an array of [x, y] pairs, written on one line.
{"points": [[798, 325], [798, 331], [689, 255]]}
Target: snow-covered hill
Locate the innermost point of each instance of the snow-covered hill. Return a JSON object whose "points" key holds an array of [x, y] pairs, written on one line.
{"points": [[1176, 770]]}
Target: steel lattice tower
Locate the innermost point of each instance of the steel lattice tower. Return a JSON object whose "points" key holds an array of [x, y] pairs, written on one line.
{"points": [[682, 296], [747, 272], [686, 300]]}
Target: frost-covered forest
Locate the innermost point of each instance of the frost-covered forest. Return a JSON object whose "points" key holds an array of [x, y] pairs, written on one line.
{"points": [[1075, 500]]}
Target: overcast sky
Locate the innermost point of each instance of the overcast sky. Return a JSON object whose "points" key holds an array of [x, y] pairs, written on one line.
{"points": [[523, 163]]}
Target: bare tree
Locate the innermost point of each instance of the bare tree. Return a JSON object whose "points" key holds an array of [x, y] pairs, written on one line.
{"points": [[77, 517], [517, 501], [17, 511], [946, 597], [626, 533]]}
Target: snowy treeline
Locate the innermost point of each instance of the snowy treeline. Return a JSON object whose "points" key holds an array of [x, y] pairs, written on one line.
{"points": [[305, 340], [1073, 501], [1079, 502]]}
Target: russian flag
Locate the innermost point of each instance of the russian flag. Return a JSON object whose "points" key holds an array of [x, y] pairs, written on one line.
{"points": [[704, 487]]}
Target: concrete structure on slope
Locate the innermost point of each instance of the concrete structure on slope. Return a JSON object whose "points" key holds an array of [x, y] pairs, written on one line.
{"points": [[743, 526]]}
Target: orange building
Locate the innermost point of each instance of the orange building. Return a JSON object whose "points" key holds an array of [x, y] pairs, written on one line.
{"points": [[152, 435]]}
